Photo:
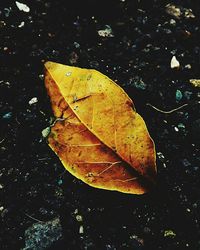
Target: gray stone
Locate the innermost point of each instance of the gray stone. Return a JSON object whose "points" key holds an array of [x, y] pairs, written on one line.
{"points": [[41, 235], [188, 95]]}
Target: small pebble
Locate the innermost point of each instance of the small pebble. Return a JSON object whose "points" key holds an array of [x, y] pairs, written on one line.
{"points": [[137, 82], [73, 58], [81, 229], [186, 163], [94, 64], [79, 218], [76, 211], [187, 95], [2, 24], [160, 156], [147, 230], [77, 45], [60, 182], [174, 63], [172, 22], [33, 100], [176, 129], [181, 126], [41, 76], [188, 66], [22, 7], [7, 115], [173, 10], [164, 165], [21, 25], [179, 95], [46, 131], [179, 11], [188, 13], [7, 11], [107, 32], [169, 233]]}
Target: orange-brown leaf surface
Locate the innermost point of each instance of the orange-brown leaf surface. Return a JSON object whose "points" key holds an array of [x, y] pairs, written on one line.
{"points": [[98, 135]]}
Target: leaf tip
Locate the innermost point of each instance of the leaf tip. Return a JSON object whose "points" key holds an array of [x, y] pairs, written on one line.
{"points": [[49, 65]]}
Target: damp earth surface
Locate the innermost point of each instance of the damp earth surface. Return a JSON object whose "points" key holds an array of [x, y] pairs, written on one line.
{"points": [[152, 50]]}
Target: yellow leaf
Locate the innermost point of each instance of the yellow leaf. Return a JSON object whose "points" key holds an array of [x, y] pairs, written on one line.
{"points": [[99, 138]]}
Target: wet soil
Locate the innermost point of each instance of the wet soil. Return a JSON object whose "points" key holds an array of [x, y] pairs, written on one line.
{"points": [[33, 183]]}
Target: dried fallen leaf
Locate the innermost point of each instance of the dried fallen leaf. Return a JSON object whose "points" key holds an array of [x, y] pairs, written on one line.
{"points": [[98, 135]]}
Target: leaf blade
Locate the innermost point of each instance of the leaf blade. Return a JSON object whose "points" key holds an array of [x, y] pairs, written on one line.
{"points": [[105, 101], [97, 166]]}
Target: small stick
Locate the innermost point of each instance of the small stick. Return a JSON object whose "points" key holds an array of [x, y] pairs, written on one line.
{"points": [[42, 113], [17, 121], [169, 111], [43, 159], [2, 140], [60, 175], [33, 218]]}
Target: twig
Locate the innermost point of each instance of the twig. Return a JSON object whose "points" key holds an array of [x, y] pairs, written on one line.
{"points": [[169, 111], [35, 219], [2, 140], [60, 175], [42, 113], [43, 159], [17, 121]]}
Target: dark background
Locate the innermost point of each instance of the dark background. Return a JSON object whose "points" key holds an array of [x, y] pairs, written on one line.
{"points": [[33, 181]]}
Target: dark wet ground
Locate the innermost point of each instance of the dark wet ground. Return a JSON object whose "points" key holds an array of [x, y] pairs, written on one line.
{"points": [[137, 54]]}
